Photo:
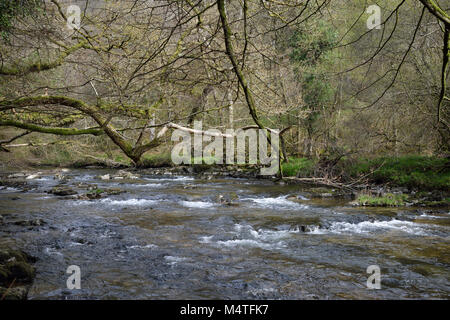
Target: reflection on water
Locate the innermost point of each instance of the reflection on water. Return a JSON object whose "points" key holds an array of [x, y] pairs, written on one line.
{"points": [[176, 238]]}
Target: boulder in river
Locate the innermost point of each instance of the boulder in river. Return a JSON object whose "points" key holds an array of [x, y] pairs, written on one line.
{"points": [[17, 175], [34, 176], [122, 174], [63, 191], [105, 177], [93, 195]]}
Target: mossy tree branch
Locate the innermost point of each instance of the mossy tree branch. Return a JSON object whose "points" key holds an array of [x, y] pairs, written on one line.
{"points": [[38, 66], [51, 130], [437, 11], [134, 153]]}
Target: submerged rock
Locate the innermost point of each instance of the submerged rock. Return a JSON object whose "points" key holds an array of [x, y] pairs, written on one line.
{"points": [[30, 223], [99, 193]]}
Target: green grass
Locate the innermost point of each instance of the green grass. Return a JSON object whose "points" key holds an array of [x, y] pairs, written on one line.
{"points": [[407, 171], [302, 167], [388, 200]]}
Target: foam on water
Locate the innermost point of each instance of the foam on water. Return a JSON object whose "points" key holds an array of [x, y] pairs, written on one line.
{"points": [[148, 246], [146, 185], [174, 260], [264, 234], [249, 237], [9, 189], [206, 239], [197, 204], [129, 202], [120, 203], [429, 216], [367, 227], [175, 178], [246, 243], [51, 251], [276, 203]]}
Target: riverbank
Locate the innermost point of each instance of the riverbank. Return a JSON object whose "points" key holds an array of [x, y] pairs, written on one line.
{"points": [[385, 181], [16, 273], [367, 192]]}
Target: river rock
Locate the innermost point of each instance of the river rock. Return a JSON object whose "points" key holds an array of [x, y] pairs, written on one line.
{"points": [[88, 186], [63, 191], [114, 191], [17, 175], [105, 177], [30, 223], [34, 176], [92, 187], [61, 177], [93, 195], [122, 174], [227, 200], [354, 203]]}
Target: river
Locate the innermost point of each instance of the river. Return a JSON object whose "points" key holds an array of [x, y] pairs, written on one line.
{"points": [[172, 237]]}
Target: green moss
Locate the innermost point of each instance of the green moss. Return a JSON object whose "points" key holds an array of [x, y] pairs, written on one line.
{"points": [[51, 130], [388, 200]]}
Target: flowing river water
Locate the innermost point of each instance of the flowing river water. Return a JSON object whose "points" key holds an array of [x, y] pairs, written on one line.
{"points": [[170, 237]]}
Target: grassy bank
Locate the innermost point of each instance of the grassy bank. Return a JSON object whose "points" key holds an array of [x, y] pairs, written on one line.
{"points": [[419, 172], [414, 172], [411, 171], [298, 167]]}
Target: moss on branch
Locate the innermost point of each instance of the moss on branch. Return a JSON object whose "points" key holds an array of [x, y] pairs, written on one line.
{"points": [[51, 130], [38, 66]]}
